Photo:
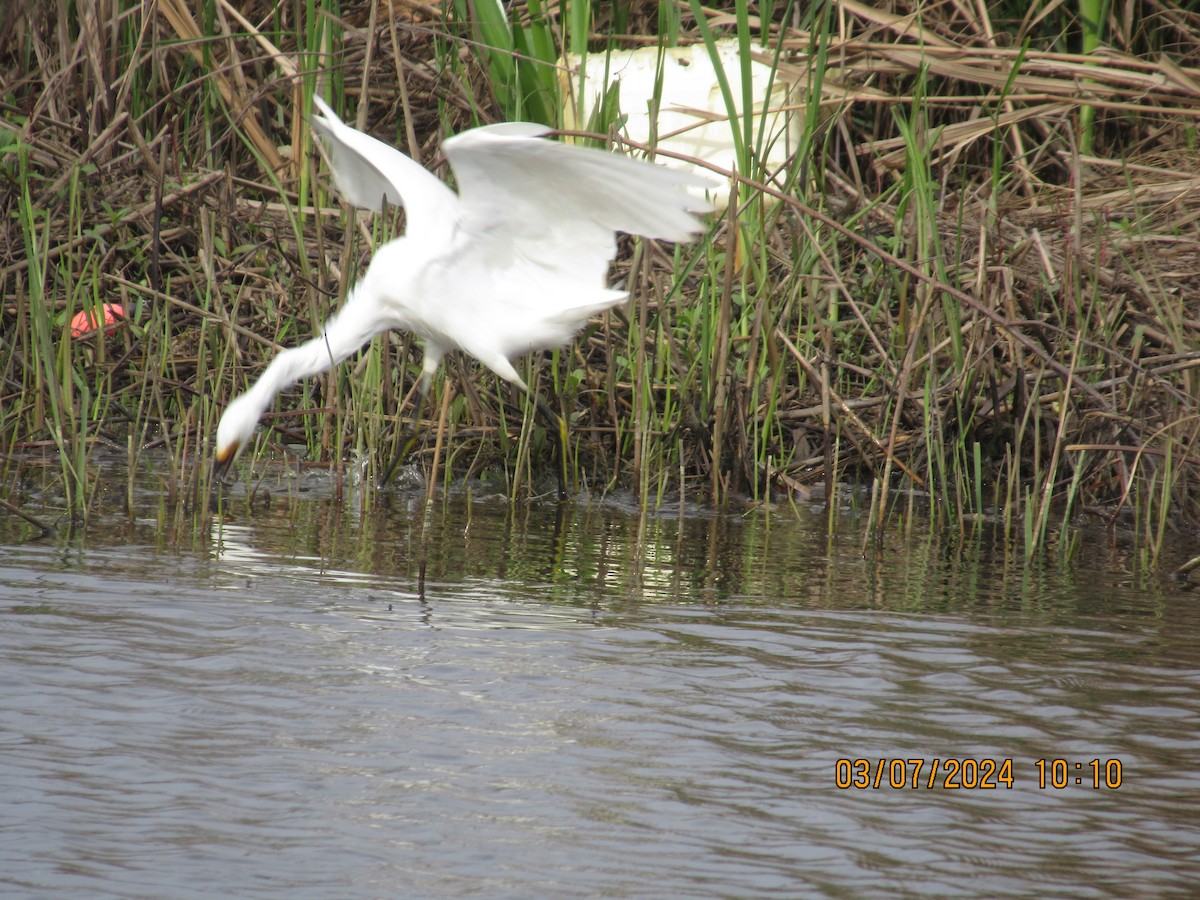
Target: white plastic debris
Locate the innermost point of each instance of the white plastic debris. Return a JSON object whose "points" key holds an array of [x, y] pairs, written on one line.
{"points": [[692, 115]]}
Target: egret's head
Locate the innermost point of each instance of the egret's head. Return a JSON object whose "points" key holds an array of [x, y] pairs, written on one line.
{"points": [[235, 430]]}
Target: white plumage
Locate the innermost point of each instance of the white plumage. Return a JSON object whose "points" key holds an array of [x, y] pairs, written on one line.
{"points": [[516, 261]]}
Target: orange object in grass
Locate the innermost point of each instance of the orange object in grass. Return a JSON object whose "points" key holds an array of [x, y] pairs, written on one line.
{"points": [[84, 323]]}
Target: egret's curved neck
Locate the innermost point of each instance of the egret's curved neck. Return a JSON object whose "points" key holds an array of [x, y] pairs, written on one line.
{"points": [[353, 325]]}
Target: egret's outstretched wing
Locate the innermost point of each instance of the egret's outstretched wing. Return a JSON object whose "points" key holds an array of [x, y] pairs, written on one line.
{"points": [[367, 171], [537, 229], [557, 204]]}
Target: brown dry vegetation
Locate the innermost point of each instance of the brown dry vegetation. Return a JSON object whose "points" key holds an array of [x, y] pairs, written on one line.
{"points": [[965, 290]]}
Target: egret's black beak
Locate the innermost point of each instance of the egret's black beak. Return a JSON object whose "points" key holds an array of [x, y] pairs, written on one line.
{"points": [[223, 462]]}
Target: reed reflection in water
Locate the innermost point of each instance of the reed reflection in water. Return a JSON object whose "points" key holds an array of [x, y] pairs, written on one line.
{"points": [[617, 706]]}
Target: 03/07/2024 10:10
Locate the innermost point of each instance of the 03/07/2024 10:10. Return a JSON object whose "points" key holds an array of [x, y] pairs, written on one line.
{"points": [[986, 773]]}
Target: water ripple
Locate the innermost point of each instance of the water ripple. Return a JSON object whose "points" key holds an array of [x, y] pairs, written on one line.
{"points": [[271, 722]]}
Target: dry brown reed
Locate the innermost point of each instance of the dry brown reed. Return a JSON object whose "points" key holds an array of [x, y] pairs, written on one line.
{"points": [[951, 296]]}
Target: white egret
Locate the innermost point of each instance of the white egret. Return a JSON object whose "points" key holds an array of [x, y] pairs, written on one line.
{"points": [[516, 261]]}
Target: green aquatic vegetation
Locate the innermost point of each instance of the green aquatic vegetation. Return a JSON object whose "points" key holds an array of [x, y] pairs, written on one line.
{"points": [[945, 297]]}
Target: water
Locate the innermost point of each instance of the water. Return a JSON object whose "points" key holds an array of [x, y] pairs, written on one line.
{"points": [[599, 706]]}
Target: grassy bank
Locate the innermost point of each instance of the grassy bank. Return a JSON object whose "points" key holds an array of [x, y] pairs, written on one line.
{"points": [[976, 289]]}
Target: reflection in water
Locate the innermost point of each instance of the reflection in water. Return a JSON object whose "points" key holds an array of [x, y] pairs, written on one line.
{"points": [[611, 707]]}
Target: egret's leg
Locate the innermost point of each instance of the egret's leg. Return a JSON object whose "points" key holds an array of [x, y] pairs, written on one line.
{"points": [[558, 426], [414, 433]]}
